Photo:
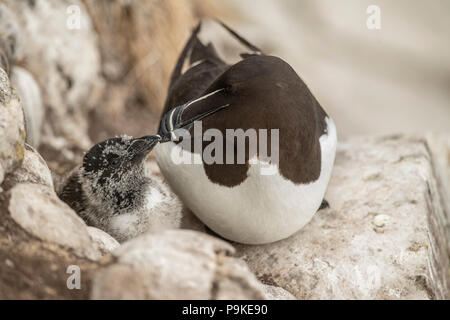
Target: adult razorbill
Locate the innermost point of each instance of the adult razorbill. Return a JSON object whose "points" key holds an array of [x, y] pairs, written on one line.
{"points": [[236, 200]]}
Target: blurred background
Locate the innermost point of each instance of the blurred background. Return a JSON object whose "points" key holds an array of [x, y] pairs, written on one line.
{"points": [[395, 79], [110, 76], [391, 80]]}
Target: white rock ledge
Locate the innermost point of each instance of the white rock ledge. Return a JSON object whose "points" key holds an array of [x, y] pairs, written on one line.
{"points": [[12, 128], [175, 264], [384, 236]]}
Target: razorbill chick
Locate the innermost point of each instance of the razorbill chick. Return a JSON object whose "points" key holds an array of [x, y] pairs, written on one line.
{"points": [[113, 191], [259, 92]]}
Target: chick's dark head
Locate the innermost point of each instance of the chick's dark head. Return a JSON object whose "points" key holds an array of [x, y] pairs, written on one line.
{"points": [[114, 169]]}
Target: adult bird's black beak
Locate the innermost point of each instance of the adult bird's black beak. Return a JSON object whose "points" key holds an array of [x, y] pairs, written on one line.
{"points": [[183, 117], [141, 147]]}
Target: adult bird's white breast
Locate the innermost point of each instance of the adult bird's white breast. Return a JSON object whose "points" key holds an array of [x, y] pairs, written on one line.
{"points": [[262, 209]]}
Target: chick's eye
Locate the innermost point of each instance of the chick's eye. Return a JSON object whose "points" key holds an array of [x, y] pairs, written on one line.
{"points": [[115, 161]]}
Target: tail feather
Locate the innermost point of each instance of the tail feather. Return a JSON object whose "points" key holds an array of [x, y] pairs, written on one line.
{"points": [[204, 52], [193, 39], [240, 38], [195, 50]]}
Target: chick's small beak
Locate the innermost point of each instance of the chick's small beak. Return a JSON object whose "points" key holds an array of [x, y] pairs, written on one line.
{"points": [[151, 141], [141, 147]]}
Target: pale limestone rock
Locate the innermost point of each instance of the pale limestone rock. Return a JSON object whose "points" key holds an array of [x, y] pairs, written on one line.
{"points": [[33, 170], [37, 209], [382, 238], [30, 96], [102, 241], [65, 62], [175, 264], [12, 130], [229, 272], [11, 43], [439, 146], [277, 293]]}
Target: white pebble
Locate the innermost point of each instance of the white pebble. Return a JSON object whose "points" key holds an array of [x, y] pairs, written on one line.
{"points": [[381, 220]]}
